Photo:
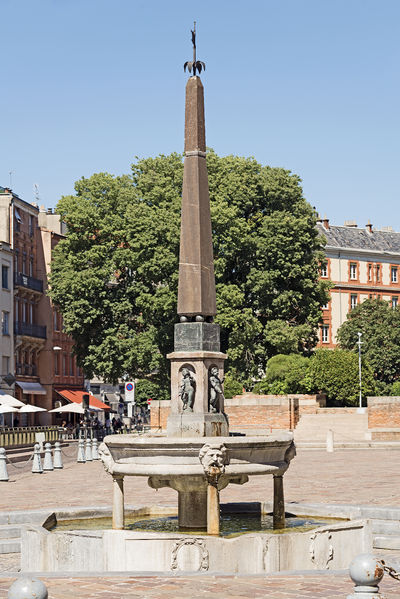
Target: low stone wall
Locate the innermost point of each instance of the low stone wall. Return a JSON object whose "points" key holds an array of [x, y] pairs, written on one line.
{"points": [[384, 418], [254, 412]]}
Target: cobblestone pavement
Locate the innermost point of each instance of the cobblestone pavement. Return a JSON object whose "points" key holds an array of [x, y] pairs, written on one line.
{"points": [[298, 586], [349, 476]]}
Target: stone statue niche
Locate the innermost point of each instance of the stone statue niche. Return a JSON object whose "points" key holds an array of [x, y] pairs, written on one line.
{"points": [[187, 388], [216, 392]]}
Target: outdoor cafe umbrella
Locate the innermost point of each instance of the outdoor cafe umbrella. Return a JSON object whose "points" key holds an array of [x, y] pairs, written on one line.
{"points": [[73, 408], [9, 400], [29, 408], [7, 409]]}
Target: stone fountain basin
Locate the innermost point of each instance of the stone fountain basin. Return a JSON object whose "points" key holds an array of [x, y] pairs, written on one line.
{"points": [[330, 547], [159, 455]]}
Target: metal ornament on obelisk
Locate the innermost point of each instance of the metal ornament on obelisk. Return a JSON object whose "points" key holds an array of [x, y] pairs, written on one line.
{"points": [[197, 365]]}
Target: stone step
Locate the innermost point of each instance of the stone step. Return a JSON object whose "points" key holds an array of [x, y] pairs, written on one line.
{"points": [[10, 531], [386, 527], [10, 546], [348, 445], [386, 542]]}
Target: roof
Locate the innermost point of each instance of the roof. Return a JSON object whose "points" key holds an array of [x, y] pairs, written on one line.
{"points": [[360, 239], [76, 396]]}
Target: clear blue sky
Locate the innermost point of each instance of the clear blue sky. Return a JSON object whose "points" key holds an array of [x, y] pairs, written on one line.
{"points": [[309, 85]]}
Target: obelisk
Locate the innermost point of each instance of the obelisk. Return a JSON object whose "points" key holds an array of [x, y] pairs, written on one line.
{"points": [[197, 408]]}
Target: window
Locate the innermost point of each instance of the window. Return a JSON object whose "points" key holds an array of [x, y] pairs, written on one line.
{"points": [[5, 365], [30, 316], [5, 320], [393, 271], [353, 301], [324, 270], [71, 366], [24, 264], [395, 300], [378, 273], [56, 364], [325, 333], [353, 271], [64, 364], [16, 260], [4, 276], [55, 321], [369, 272], [31, 266], [31, 229], [17, 219]]}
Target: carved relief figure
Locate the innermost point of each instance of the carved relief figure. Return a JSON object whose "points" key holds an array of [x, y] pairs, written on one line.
{"points": [[216, 392], [187, 390], [213, 458]]}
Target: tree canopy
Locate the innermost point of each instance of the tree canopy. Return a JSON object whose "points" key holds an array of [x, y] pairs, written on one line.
{"points": [[114, 277], [380, 325]]}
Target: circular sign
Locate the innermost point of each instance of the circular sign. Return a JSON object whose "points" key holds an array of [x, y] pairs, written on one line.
{"points": [[149, 401], [129, 387]]}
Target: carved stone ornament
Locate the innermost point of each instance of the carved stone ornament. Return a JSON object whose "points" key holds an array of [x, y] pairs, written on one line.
{"points": [[202, 549], [321, 560], [216, 391], [187, 390], [106, 458], [290, 453], [213, 457]]}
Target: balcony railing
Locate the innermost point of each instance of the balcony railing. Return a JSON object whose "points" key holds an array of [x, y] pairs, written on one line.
{"points": [[30, 330], [21, 280]]}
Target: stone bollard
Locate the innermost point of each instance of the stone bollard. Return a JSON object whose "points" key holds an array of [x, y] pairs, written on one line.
{"points": [[81, 451], [48, 458], [3, 465], [27, 588], [57, 456], [366, 572], [37, 461], [329, 441], [95, 449], [88, 450]]}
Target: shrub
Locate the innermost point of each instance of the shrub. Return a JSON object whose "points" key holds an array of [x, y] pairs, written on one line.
{"points": [[395, 390], [335, 372], [232, 386], [285, 374], [146, 389]]}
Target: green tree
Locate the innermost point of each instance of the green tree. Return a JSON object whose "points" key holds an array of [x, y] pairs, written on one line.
{"points": [[114, 277], [380, 325], [335, 372], [285, 374]]}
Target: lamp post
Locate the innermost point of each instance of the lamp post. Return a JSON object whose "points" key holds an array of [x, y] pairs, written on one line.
{"points": [[359, 343]]}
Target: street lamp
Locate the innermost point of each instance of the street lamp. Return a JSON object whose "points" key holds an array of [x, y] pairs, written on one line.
{"points": [[359, 343]]}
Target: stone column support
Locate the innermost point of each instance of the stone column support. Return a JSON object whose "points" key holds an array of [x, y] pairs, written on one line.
{"points": [[279, 503], [118, 503], [192, 510], [213, 516]]}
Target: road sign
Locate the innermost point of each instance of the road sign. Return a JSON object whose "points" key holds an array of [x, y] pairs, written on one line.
{"points": [[130, 391], [149, 401]]}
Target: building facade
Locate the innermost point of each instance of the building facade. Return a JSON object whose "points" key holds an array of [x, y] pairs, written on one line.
{"points": [[362, 263], [7, 319], [42, 352]]}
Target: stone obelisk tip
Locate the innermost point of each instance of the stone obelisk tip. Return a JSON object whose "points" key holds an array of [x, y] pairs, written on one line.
{"points": [[196, 290]]}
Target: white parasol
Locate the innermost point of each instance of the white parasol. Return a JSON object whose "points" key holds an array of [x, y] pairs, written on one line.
{"points": [[74, 408], [29, 408]]}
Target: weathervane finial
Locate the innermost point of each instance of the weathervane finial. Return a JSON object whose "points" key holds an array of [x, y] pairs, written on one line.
{"points": [[194, 65]]}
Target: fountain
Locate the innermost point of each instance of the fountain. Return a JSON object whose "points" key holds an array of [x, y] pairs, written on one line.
{"points": [[196, 457]]}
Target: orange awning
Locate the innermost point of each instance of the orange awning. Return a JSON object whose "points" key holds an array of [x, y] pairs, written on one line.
{"points": [[77, 397]]}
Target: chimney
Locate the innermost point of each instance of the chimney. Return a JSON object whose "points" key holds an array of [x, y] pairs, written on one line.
{"points": [[325, 223], [368, 226], [319, 219], [350, 223], [49, 210]]}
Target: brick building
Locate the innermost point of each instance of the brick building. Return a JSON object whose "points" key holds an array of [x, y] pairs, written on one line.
{"points": [[43, 357], [362, 263]]}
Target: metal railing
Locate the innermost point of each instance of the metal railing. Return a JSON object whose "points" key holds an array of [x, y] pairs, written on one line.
{"points": [[30, 330], [26, 435], [21, 280]]}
